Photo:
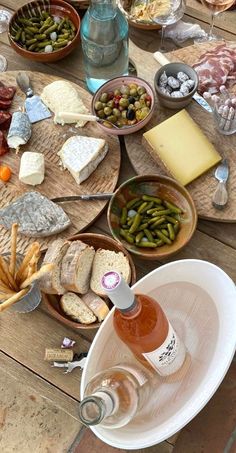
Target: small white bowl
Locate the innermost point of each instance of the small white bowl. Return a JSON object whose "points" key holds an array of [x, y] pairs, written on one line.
{"points": [[199, 300]]}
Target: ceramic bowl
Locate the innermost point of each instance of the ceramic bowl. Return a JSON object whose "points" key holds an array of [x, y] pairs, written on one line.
{"points": [[97, 241], [157, 186], [115, 83], [56, 8], [171, 69], [125, 7], [193, 294]]}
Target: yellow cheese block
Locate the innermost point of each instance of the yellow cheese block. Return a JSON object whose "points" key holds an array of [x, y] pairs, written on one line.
{"points": [[182, 147]]}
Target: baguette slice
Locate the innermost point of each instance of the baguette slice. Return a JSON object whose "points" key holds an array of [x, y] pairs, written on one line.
{"points": [[76, 309], [105, 261], [96, 304], [51, 282], [77, 266]]}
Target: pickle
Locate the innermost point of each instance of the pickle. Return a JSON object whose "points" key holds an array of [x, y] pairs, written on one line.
{"points": [[148, 235], [165, 232], [164, 212], [44, 44], [31, 41], [139, 236], [142, 227], [142, 207], [51, 29], [131, 203], [123, 217], [171, 231], [136, 223], [163, 237], [158, 222], [150, 198], [147, 244], [61, 24], [33, 47], [129, 238], [173, 207], [171, 219], [18, 35], [41, 36]]}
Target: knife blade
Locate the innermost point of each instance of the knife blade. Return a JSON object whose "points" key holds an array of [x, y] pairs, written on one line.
{"points": [[197, 97], [220, 197]]}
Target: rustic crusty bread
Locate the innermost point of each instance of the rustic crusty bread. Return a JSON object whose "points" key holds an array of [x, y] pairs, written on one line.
{"points": [[76, 267], [51, 282], [104, 261], [76, 309], [96, 304]]}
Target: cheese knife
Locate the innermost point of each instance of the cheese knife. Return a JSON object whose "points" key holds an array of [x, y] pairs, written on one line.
{"points": [[92, 196], [197, 97], [34, 106], [220, 196]]}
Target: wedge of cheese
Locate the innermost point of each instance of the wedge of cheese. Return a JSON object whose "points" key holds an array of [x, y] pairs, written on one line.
{"points": [[81, 155], [31, 168], [181, 148], [61, 96]]}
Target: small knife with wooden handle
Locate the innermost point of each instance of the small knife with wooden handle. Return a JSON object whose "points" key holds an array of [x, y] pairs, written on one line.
{"points": [[220, 196]]}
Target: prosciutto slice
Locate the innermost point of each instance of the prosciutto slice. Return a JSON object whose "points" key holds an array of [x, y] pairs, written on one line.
{"points": [[216, 67]]}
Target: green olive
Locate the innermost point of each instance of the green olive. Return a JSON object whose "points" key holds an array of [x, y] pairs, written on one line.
{"points": [[108, 111], [125, 96], [133, 92], [133, 86], [104, 97], [124, 89], [116, 112], [141, 90], [110, 103], [119, 123], [104, 104], [137, 105], [123, 102], [101, 113], [98, 105], [112, 119], [117, 92], [124, 114], [143, 96], [131, 107]]}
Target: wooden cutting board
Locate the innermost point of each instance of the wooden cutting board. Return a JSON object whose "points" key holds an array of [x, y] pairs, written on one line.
{"points": [[48, 138], [202, 188]]}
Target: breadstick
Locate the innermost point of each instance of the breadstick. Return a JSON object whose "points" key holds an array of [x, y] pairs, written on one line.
{"points": [[34, 248], [12, 265], [6, 295], [5, 288], [37, 275], [5, 270], [13, 299]]}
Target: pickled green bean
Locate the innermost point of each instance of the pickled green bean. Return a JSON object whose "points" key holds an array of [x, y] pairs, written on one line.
{"points": [[171, 231], [147, 244], [136, 223], [163, 237], [150, 198]]}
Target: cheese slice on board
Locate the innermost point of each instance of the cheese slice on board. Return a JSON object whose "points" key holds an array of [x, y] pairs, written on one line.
{"points": [[31, 168], [81, 155], [179, 145]]}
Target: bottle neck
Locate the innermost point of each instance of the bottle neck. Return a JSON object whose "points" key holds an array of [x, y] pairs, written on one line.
{"points": [[103, 9], [95, 408]]}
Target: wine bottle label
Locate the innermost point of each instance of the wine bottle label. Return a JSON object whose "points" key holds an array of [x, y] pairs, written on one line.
{"points": [[170, 356], [139, 374]]}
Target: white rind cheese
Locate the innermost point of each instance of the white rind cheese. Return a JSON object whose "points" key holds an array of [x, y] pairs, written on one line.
{"points": [[31, 168], [81, 155], [61, 96]]}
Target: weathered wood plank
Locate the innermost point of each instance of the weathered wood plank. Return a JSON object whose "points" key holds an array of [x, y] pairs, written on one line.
{"points": [[34, 415], [24, 337]]}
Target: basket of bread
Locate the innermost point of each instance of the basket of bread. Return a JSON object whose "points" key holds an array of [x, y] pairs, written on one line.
{"points": [[72, 291]]}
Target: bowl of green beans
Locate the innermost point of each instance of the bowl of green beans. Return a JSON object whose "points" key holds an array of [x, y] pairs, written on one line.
{"points": [[44, 30], [153, 216]]}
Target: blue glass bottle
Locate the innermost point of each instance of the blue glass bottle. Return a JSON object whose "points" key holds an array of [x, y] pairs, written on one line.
{"points": [[104, 36]]}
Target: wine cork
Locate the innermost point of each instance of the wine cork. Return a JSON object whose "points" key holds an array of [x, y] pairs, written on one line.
{"points": [[58, 355]]}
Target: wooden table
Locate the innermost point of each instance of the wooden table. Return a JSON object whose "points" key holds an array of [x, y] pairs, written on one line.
{"points": [[23, 338]]}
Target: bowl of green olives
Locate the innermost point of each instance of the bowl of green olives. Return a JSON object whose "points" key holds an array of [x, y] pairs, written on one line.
{"points": [[152, 216], [125, 104]]}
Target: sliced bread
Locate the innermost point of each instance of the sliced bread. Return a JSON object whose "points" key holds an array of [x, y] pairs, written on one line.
{"points": [[96, 304], [104, 261], [51, 282], [76, 309], [77, 266]]}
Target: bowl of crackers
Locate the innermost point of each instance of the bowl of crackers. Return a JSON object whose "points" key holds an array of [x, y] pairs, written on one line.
{"points": [[72, 292]]}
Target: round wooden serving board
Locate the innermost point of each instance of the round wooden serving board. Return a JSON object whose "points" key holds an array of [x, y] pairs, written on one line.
{"points": [[202, 188], [48, 139]]}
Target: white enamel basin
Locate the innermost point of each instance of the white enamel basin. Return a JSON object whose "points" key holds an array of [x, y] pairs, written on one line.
{"points": [[200, 301]]}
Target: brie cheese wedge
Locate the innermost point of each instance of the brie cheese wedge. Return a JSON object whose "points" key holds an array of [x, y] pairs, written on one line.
{"points": [[81, 155], [31, 168]]}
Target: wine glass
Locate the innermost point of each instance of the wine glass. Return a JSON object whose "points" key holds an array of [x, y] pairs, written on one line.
{"points": [[5, 17], [215, 7], [166, 13]]}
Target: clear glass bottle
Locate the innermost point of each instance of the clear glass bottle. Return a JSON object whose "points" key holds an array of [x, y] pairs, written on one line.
{"points": [[113, 397], [104, 37], [142, 325]]}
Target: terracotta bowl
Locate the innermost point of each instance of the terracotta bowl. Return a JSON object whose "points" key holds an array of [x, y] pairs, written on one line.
{"points": [[161, 187], [57, 8], [110, 86], [171, 69], [97, 241]]}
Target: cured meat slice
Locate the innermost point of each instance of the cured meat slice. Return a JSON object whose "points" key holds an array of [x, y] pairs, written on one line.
{"points": [[5, 120], [7, 93], [3, 144], [36, 215], [216, 67], [4, 105]]}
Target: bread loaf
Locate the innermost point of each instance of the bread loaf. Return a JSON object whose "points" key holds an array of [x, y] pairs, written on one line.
{"points": [[51, 282], [76, 267], [76, 309], [104, 261], [96, 304]]}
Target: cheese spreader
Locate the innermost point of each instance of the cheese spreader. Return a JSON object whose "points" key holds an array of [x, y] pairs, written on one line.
{"points": [[34, 106], [220, 197], [197, 97]]}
